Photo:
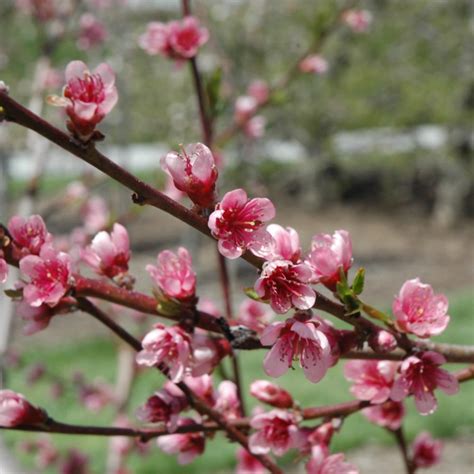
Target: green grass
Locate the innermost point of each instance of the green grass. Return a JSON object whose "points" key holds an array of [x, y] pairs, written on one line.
{"points": [[96, 359]]}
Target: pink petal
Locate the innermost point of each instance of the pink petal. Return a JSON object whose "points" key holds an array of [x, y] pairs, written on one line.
{"points": [[75, 69], [85, 110], [425, 402], [229, 249], [278, 359], [234, 199], [106, 73]]}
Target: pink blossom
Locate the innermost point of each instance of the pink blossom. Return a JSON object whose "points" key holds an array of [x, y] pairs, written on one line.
{"points": [[270, 393], [255, 127], [109, 253], [286, 285], [174, 274], [248, 464], [254, 315], [37, 318], [194, 172], [92, 32], [321, 463], [50, 276], [227, 400], [75, 191], [259, 90], [208, 306], [315, 64], [382, 341], [337, 338], [320, 436], [29, 234], [358, 20], [372, 379], [187, 445], [171, 190], [389, 414], [295, 339], [328, 254], [202, 387], [88, 97], [237, 223], [3, 270], [285, 244], [16, 410], [419, 311], [244, 108], [426, 450], [95, 214], [170, 346], [207, 353], [420, 376], [277, 431], [155, 39]]}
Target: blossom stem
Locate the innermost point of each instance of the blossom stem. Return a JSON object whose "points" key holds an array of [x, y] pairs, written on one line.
{"points": [[401, 441]]}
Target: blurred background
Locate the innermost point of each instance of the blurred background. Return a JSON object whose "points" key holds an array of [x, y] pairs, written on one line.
{"points": [[381, 145]]}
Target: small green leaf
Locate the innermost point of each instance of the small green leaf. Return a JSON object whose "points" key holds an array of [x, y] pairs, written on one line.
{"points": [[358, 283], [213, 85], [252, 294], [12, 293]]}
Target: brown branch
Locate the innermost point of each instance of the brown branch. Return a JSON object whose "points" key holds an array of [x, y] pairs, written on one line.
{"points": [[402, 445]]}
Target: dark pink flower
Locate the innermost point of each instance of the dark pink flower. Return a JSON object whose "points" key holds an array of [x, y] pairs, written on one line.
{"points": [[109, 253], [3, 270], [49, 274], [92, 32], [194, 172], [285, 285], [29, 234], [358, 21], [227, 400], [420, 376], [277, 431], [315, 64], [295, 339], [389, 414], [244, 108], [419, 311], [187, 445], [322, 463], [237, 223], [330, 253], [170, 346], [270, 393], [259, 90], [248, 464], [254, 315], [16, 410], [174, 274], [285, 244], [373, 380], [426, 450], [88, 97], [186, 37]]}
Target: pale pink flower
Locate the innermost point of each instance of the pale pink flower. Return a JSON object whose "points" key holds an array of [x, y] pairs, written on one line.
{"points": [[255, 127], [109, 253], [321, 463], [92, 32], [277, 431], [186, 37], [285, 244], [254, 315], [155, 39], [248, 464], [237, 223], [49, 274], [75, 191], [88, 97], [330, 253], [170, 346], [259, 90], [37, 318], [270, 393], [358, 21], [244, 108], [3, 270], [285, 285], [420, 376], [95, 214], [315, 64], [207, 353], [16, 410], [227, 400], [295, 339], [202, 387], [382, 341], [187, 445], [419, 311], [194, 172], [29, 234], [373, 380], [426, 450], [388, 415], [174, 274]]}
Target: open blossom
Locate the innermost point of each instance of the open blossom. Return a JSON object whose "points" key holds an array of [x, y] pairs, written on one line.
{"points": [[270, 393], [373, 380], [244, 108], [426, 450], [3, 270], [322, 463], [176, 39], [92, 32], [88, 97], [315, 64], [419, 311], [420, 376], [186, 445], [202, 387], [49, 274], [237, 223], [286, 285], [109, 253], [227, 400], [248, 464], [254, 315], [194, 172], [277, 431], [167, 345], [295, 339], [328, 254], [388, 415], [259, 90], [285, 244], [29, 234], [174, 274], [16, 410], [358, 20]]}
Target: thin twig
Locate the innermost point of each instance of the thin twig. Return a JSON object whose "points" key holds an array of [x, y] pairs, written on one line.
{"points": [[402, 445]]}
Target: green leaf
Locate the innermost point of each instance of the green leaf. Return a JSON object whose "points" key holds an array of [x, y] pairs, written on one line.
{"points": [[213, 85], [252, 294], [12, 293], [358, 283]]}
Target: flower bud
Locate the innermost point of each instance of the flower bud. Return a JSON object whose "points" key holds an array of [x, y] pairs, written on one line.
{"points": [[16, 410], [271, 394]]}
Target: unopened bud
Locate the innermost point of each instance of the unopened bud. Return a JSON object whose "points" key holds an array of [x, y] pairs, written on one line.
{"points": [[382, 341]]}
